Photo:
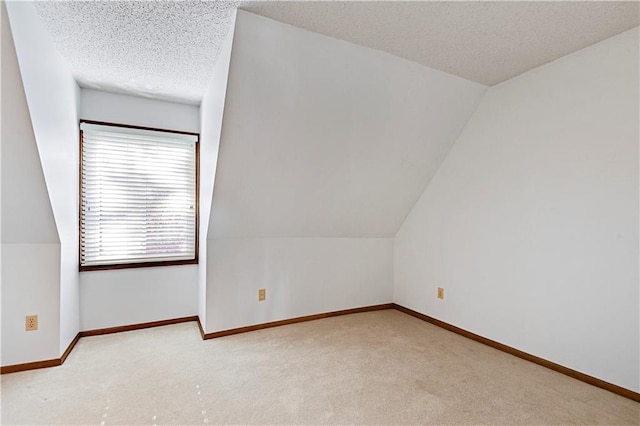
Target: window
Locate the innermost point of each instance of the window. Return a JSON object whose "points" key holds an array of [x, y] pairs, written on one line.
{"points": [[138, 196]]}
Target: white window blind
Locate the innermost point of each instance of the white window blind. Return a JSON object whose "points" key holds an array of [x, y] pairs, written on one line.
{"points": [[138, 196]]}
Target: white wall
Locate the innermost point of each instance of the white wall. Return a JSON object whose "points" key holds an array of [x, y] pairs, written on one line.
{"points": [[69, 250], [325, 146], [531, 222], [30, 245], [129, 296], [20, 277], [133, 110], [211, 115], [132, 296], [27, 216], [324, 138], [302, 276], [52, 96]]}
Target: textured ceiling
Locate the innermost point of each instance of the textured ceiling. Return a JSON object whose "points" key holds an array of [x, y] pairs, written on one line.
{"points": [[167, 49], [160, 49], [486, 42]]}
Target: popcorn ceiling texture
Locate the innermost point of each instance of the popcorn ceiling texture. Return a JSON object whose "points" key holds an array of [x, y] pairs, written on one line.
{"points": [[168, 49], [160, 49], [486, 42]]}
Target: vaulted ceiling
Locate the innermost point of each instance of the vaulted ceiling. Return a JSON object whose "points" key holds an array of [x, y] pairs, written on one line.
{"points": [[324, 138], [483, 41], [168, 49]]}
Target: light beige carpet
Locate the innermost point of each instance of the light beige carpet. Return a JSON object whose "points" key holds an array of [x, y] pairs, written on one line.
{"points": [[380, 367]]}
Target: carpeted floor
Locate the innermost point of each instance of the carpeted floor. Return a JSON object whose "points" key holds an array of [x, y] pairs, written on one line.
{"points": [[380, 367]]}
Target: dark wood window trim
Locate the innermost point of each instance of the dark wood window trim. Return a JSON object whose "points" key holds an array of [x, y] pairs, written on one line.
{"points": [[193, 261]]}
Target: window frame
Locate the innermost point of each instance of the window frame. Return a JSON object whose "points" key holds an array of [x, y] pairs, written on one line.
{"points": [[195, 260]]}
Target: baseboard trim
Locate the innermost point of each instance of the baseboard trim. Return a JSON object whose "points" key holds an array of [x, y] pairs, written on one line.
{"points": [[30, 366], [202, 334], [59, 361], [524, 355], [41, 364], [627, 393], [140, 326], [72, 345], [296, 320]]}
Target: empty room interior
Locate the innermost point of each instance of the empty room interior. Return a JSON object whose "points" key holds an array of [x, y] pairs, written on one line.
{"points": [[265, 212]]}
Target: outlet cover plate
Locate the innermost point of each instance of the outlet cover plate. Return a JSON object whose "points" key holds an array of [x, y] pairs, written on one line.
{"points": [[31, 322]]}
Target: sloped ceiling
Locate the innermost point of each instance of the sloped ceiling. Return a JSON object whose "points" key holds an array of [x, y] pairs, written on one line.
{"points": [[168, 49], [483, 41], [26, 210], [324, 138]]}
